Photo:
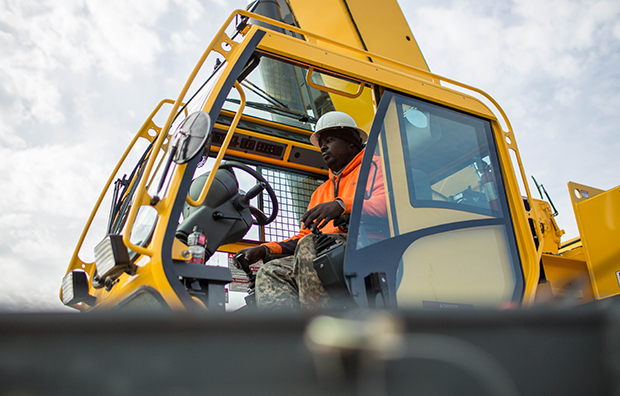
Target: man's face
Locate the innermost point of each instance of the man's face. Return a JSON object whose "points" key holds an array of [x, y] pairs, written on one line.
{"points": [[336, 152]]}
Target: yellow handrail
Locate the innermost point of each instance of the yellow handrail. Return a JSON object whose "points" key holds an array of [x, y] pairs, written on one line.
{"points": [[332, 90], [89, 222]]}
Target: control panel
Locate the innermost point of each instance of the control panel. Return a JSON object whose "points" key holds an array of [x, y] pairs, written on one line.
{"points": [[250, 144]]}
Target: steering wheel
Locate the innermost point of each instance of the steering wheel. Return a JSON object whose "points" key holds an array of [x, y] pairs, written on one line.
{"points": [[259, 218]]}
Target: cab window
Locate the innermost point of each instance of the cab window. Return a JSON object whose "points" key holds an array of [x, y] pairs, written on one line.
{"points": [[448, 158]]}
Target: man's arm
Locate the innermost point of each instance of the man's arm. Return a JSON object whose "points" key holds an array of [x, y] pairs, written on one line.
{"points": [[321, 214], [256, 253], [285, 247], [317, 214]]}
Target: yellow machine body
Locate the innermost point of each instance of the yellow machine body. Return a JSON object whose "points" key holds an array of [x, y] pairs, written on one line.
{"points": [[364, 61]]}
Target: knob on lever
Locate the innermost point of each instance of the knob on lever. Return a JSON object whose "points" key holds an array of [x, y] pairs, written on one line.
{"points": [[242, 263], [243, 201]]}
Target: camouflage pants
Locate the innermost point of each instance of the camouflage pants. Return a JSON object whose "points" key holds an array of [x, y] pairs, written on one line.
{"points": [[291, 282]]}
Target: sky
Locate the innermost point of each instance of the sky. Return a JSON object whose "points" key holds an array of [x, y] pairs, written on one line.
{"points": [[79, 77]]}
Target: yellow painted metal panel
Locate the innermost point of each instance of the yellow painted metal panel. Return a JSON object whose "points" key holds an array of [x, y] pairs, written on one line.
{"points": [[573, 249], [359, 69], [568, 278], [148, 275], [385, 31], [327, 18], [457, 182], [598, 218], [362, 109], [381, 24], [476, 269]]}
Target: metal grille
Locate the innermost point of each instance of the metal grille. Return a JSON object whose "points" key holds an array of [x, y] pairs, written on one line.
{"points": [[294, 192]]}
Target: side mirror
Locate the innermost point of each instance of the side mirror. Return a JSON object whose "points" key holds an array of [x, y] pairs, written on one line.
{"points": [[187, 142], [191, 137]]}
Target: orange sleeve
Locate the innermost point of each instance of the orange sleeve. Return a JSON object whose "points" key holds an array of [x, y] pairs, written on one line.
{"points": [[286, 246], [375, 205]]}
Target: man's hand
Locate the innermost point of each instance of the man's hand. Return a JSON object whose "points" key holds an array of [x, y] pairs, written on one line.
{"points": [[253, 254], [320, 215]]}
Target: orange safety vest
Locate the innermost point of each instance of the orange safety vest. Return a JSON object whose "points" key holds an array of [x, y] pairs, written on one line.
{"points": [[340, 186]]}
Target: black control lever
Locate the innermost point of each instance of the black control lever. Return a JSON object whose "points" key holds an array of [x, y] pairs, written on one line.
{"points": [[243, 201], [242, 264], [255, 190], [323, 241]]}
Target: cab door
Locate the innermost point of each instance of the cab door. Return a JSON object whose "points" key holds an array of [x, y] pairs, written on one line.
{"points": [[445, 238]]}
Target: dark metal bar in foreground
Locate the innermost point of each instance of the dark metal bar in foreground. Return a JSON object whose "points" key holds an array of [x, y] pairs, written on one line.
{"points": [[539, 352]]}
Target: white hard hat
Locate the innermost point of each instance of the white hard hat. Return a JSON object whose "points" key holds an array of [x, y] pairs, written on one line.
{"points": [[335, 120]]}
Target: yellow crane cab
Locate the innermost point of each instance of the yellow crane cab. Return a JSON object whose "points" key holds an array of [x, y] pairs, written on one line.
{"points": [[232, 156]]}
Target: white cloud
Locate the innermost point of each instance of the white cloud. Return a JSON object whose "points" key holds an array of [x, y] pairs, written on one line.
{"points": [[40, 178], [183, 42], [566, 95], [73, 76], [122, 35], [616, 30], [47, 197], [191, 8], [52, 47], [24, 87]]}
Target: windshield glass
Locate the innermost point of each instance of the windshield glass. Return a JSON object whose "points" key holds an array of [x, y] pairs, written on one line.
{"points": [[448, 158], [278, 91], [124, 190]]}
